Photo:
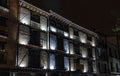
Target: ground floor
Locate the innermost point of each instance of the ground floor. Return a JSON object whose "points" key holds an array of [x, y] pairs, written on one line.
{"points": [[41, 74]]}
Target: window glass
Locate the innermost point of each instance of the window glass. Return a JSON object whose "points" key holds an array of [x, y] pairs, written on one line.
{"points": [[22, 57], [53, 42], [23, 38], [4, 3], [34, 37], [3, 26], [52, 61], [35, 25], [24, 35], [66, 63], [60, 45], [43, 40], [35, 17], [43, 23], [44, 60], [24, 16], [66, 46]]}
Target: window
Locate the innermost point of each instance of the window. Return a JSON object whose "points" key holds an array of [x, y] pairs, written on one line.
{"points": [[66, 63], [43, 40], [60, 44], [90, 53], [66, 30], [83, 37], [66, 46], [35, 25], [83, 51], [89, 38], [71, 48], [34, 37], [24, 35], [43, 23], [3, 26], [76, 35], [52, 61], [34, 58], [35, 17], [4, 3], [59, 62], [77, 49], [3, 54], [44, 60], [22, 57], [71, 32], [53, 42], [72, 64], [24, 16]]}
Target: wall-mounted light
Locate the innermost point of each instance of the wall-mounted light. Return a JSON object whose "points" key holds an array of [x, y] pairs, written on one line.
{"points": [[53, 29], [43, 27], [65, 34], [22, 65]]}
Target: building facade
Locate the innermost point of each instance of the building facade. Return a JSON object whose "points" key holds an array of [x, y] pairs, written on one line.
{"points": [[34, 42]]}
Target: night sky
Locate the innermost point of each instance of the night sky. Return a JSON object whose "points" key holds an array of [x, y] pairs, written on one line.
{"points": [[96, 15]]}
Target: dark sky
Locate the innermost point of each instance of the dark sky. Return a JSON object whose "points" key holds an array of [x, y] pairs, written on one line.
{"points": [[95, 15]]}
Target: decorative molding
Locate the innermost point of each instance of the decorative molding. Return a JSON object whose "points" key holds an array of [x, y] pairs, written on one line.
{"points": [[70, 23], [33, 8]]}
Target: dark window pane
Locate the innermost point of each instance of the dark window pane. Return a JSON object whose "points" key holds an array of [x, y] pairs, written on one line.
{"points": [[34, 58], [4, 3], [76, 33], [34, 37], [3, 26], [60, 62], [35, 17], [60, 43], [89, 38]]}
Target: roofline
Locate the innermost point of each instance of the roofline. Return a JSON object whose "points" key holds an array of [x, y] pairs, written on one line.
{"points": [[70, 23], [33, 8]]}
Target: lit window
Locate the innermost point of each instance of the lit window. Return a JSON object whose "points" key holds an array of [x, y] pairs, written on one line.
{"points": [[25, 16], [52, 61], [43, 40], [71, 32], [66, 46], [83, 38], [53, 42], [44, 60], [23, 39], [71, 49], [72, 64], [43, 23], [84, 52], [66, 63], [22, 57]]}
